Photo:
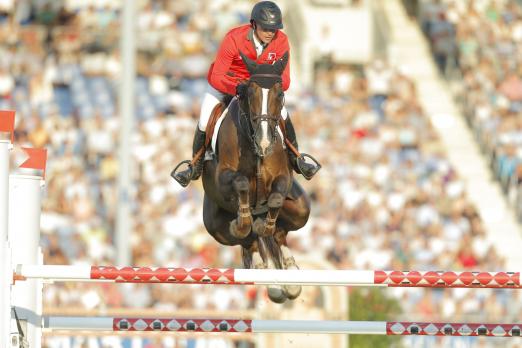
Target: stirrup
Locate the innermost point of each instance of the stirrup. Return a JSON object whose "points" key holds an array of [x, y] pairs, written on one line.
{"points": [[174, 173], [316, 164]]}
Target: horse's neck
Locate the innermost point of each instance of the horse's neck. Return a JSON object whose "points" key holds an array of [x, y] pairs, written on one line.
{"points": [[245, 151], [241, 123]]}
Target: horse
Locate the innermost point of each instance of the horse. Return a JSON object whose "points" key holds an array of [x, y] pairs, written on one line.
{"points": [[251, 198]]}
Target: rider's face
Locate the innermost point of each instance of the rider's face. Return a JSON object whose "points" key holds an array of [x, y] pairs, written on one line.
{"points": [[265, 35]]}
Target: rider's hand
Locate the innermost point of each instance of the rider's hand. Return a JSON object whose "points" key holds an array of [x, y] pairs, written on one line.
{"points": [[241, 90]]}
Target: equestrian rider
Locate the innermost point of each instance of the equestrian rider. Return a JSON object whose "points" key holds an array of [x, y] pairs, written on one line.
{"points": [[263, 41]]}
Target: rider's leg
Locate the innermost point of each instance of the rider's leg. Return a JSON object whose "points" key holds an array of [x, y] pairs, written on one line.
{"points": [[308, 170], [210, 100]]}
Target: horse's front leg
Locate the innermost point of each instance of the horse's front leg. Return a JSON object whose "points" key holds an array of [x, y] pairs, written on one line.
{"points": [[275, 203], [242, 225], [235, 187]]}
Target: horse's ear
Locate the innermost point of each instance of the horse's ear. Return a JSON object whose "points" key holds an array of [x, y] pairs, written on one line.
{"points": [[280, 65], [250, 64]]}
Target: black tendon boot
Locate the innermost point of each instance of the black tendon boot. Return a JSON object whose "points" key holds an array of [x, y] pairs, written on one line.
{"points": [[307, 170], [193, 172]]}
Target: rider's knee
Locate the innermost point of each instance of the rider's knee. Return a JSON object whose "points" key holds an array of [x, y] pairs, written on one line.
{"points": [[210, 100]]}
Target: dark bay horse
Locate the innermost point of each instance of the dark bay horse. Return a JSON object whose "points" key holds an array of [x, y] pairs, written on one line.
{"points": [[251, 198]]}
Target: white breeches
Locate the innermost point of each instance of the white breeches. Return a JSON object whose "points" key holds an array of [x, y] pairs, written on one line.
{"points": [[210, 100]]}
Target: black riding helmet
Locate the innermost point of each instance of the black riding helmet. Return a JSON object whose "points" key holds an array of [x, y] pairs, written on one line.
{"points": [[267, 15]]}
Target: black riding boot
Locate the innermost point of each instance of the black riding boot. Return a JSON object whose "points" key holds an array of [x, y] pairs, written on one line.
{"points": [[193, 173], [307, 170]]}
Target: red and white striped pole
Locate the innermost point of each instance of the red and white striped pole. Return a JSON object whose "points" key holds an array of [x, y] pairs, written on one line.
{"points": [[428, 279], [283, 326]]}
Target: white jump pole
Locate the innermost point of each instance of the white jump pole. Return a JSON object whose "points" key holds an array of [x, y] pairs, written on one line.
{"points": [[24, 238], [394, 328], [6, 125], [428, 279]]}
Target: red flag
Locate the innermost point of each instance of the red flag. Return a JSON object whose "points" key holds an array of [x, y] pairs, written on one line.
{"points": [[37, 159], [7, 118]]}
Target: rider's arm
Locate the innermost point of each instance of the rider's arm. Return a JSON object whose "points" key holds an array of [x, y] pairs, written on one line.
{"points": [[286, 72], [218, 77]]}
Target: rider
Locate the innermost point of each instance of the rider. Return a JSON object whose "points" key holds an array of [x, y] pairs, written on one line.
{"points": [[263, 41]]}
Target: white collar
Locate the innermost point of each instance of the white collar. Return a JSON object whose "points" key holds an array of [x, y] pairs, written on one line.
{"points": [[258, 44]]}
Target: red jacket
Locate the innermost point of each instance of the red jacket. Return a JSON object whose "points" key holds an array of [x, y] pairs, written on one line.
{"points": [[228, 70]]}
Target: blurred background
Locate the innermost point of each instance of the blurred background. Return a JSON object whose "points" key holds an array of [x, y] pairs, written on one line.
{"points": [[412, 107]]}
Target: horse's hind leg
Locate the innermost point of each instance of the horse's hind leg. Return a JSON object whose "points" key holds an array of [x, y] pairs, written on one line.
{"points": [[276, 293], [291, 291], [217, 223], [296, 211]]}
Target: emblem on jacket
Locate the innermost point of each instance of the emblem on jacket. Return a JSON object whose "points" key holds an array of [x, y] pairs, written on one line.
{"points": [[271, 56]]}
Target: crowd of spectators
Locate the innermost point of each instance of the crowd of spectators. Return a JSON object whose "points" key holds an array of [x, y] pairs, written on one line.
{"points": [[386, 198], [487, 79]]}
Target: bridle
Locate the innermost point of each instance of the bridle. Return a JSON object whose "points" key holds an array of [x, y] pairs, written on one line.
{"points": [[272, 120]]}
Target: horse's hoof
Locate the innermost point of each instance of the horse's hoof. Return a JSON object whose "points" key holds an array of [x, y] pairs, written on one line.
{"points": [[239, 233], [276, 294], [276, 200], [292, 291], [241, 184]]}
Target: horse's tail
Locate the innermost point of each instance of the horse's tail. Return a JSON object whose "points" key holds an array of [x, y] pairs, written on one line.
{"points": [[268, 249], [246, 255]]}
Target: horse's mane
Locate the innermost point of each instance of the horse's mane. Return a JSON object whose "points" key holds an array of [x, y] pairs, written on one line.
{"points": [[227, 98]]}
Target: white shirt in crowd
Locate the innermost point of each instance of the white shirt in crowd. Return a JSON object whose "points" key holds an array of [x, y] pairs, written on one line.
{"points": [[6, 84], [379, 78]]}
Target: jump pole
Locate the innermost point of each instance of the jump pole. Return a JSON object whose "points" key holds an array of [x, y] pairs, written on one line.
{"points": [[393, 328], [427, 279]]}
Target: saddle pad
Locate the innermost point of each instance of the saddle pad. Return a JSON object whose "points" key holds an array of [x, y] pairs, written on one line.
{"points": [[214, 115], [216, 129]]}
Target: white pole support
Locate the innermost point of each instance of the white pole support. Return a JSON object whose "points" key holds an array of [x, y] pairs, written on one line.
{"points": [[124, 218], [6, 270], [7, 118], [24, 238]]}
